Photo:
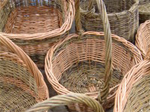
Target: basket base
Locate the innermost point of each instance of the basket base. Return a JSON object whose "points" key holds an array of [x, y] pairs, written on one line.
{"points": [[33, 19]]}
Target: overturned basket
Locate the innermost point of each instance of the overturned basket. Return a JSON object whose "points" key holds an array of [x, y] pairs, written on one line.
{"points": [[133, 94], [143, 37], [144, 10], [66, 100], [77, 63], [21, 83], [37, 25], [123, 16]]}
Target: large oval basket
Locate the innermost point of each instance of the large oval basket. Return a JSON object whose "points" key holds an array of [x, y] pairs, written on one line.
{"points": [[21, 83], [35, 25], [133, 94], [123, 16]]}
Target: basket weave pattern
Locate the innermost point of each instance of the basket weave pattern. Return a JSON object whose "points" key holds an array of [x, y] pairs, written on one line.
{"points": [[123, 16], [36, 26], [20, 80]]}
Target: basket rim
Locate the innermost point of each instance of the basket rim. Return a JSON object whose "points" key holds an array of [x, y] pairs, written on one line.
{"points": [[133, 76], [66, 26], [48, 64], [130, 10], [138, 38]]}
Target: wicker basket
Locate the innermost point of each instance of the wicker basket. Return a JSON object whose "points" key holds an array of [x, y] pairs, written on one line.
{"points": [[133, 94], [66, 100], [143, 37], [144, 10], [77, 63], [35, 25], [21, 83], [123, 16]]}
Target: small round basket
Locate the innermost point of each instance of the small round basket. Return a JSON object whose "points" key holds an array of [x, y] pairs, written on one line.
{"points": [[143, 38], [21, 83], [83, 63], [35, 25], [123, 16], [133, 94]]}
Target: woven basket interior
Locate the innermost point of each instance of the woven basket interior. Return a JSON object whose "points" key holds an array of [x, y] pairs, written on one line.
{"points": [[138, 99], [32, 17], [79, 65], [111, 5]]}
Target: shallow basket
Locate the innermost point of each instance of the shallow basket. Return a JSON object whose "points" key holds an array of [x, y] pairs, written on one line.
{"points": [[123, 16], [21, 83], [144, 10], [133, 94], [35, 25], [143, 37]]}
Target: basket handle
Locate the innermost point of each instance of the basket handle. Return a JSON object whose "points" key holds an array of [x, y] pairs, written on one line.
{"points": [[108, 43], [67, 99], [30, 65]]}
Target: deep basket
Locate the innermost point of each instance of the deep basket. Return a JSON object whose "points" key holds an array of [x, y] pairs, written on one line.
{"points": [[83, 62], [123, 16]]}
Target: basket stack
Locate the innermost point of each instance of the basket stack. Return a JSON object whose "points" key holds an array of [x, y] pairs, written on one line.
{"points": [[77, 64], [123, 16], [36, 25], [21, 83]]}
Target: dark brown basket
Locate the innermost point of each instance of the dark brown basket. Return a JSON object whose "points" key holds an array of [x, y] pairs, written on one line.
{"points": [[35, 25], [21, 82], [123, 16]]}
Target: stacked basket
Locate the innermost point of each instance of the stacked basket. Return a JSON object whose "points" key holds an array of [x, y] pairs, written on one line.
{"points": [[35, 25]]}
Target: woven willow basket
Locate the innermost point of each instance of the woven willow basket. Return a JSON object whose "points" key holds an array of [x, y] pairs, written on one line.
{"points": [[144, 10], [66, 100], [21, 83], [143, 37], [133, 94], [77, 64], [35, 25], [123, 16]]}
